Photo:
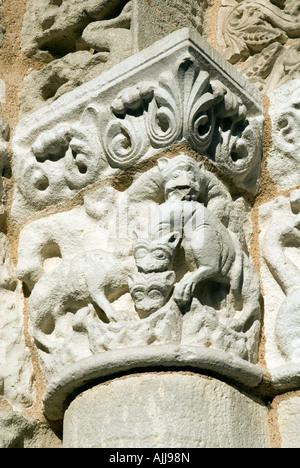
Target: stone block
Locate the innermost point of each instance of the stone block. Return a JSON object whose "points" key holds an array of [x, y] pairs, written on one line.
{"points": [[129, 114], [279, 225], [86, 38], [16, 370], [260, 37]]}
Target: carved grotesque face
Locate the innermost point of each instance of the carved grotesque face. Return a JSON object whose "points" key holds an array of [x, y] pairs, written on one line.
{"points": [[151, 292], [182, 177], [155, 254]]}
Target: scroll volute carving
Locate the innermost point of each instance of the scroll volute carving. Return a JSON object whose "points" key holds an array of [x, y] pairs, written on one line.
{"points": [[110, 133], [185, 105]]}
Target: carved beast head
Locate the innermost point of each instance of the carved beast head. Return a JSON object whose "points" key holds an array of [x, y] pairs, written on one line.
{"points": [[150, 292], [182, 177]]}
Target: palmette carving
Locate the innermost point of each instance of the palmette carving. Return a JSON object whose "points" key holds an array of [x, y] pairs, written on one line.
{"points": [[111, 124], [185, 105]]}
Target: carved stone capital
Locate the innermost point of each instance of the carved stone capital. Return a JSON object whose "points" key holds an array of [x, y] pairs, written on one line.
{"points": [[151, 267]]}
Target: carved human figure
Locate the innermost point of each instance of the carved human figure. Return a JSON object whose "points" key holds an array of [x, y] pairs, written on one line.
{"points": [[199, 228]]}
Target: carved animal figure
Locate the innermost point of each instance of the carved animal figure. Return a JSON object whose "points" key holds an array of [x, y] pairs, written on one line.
{"points": [[156, 254], [215, 252], [94, 277], [204, 236], [150, 292]]}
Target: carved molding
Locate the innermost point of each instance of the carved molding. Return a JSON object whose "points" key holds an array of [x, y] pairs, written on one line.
{"points": [[74, 378], [84, 39]]}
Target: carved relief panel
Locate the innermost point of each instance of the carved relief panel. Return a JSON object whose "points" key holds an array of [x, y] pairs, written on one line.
{"points": [[262, 38], [145, 261], [119, 120], [281, 263], [16, 371], [283, 162]]}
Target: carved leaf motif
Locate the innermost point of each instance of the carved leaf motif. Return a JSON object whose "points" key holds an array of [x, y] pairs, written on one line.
{"points": [[182, 108], [237, 140], [164, 121], [65, 158], [199, 123], [251, 26], [83, 161], [123, 142]]}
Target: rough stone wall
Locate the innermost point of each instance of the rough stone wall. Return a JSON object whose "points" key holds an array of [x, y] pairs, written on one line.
{"points": [[44, 56]]}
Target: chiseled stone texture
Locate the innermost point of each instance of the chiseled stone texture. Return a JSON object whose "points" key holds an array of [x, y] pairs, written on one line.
{"points": [[289, 422], [16, 431], [279, 224], [283, 161], [2, 28], [80, 303], [262, 38], [165, 410], [16, 371], [83, 38], [177, 90]]}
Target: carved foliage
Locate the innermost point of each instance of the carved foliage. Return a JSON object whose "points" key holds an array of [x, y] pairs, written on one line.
{"points": [[184, 104], [261, 29], [285, 114]]}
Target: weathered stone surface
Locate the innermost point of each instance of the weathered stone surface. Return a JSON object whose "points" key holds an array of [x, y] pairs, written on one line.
{"points": [[289, 422], [63, 26], [283, 161], [75, 378], [4, 159], [16, 372], [279, 221], [87, 38], [167, 409], [133, 181], [256, 36], [2, 28], [16, 431]]}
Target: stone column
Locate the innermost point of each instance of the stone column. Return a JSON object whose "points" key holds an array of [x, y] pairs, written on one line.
{"points": [[165, 409]]}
